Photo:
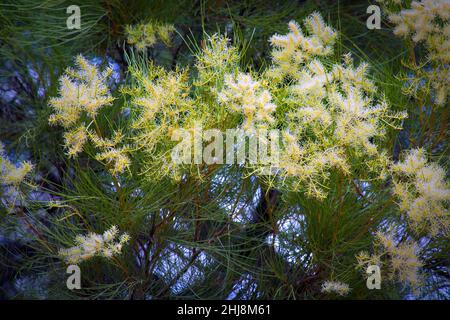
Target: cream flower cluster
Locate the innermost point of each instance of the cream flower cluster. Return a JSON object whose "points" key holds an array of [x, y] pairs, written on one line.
{"points": [[10, 174], [164, 94], [161, 103], [75, 140], [82, 93], [80, 90], [106, 245], [423, 193], [427, 22], [217, 58], [296, 48], [333, 116], [244, 95], [358, 115], [403, 257], [354, 112], [145, 35], [115, 156], [336, 287], [161, 99], [420, 19], [306, 166], [399, 260]]}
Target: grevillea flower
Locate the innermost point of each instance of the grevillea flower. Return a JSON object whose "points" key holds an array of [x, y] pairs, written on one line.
{"points": [[296, 48], [106, 245], [423, 193], [245, 95], [426, 22], [82, 93], [80, 90], [145, 35], [11, 174], [333, 111]]}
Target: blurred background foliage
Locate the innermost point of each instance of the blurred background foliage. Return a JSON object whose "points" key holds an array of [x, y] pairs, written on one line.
{"points": [[250, 258]]}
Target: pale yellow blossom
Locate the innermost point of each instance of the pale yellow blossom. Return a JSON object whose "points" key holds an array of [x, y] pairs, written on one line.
{"points": [[94, 244]]}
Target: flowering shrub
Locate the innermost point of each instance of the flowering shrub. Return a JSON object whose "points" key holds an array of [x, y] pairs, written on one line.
{"points": [[339, 198]]}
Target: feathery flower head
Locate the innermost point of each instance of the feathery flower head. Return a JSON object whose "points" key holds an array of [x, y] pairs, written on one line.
{"points": [[145, 35], [216, 59], [333, 113], [116, 158], [11, 174], [94, 244], [245, 95], [426, 22], [294, 49], [74, 140], [423, 193], [81, 89], [82, 92], [403, 258]]}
